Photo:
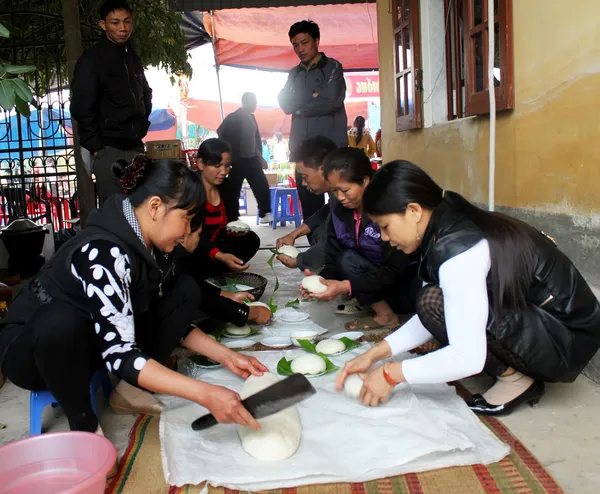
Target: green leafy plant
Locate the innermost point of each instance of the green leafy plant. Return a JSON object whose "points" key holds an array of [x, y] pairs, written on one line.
{"points": [[271, 302], [293, 304], [14, 92]]}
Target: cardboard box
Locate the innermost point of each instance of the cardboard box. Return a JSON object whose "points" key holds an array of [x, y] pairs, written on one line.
{"points": [[171, 149], [271, 178]]}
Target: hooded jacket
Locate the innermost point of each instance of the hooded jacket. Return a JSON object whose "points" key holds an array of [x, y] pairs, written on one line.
{"points": [[59, 283], [324, 114]]}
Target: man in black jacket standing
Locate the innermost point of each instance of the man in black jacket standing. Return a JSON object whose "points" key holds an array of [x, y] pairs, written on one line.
{"points": [[314, 95], [111, 99]]}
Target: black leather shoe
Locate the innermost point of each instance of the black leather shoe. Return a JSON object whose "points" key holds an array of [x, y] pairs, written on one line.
{"points": [[532, 396]]}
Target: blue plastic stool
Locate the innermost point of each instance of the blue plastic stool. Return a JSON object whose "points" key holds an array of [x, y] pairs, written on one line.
{"points": [[38, 400], [272, 191], [243, 200], [281, 206]]}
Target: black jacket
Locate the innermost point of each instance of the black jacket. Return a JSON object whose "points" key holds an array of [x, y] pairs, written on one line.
{"points": [[57, 280], [559, 332], [323, 115], [111, 99]]}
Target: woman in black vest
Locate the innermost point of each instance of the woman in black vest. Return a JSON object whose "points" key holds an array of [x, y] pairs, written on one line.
{"points": [[499, 297], [102, 300]]}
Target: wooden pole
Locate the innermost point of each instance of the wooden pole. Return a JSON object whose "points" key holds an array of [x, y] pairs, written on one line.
{"points": [[74, 48]]}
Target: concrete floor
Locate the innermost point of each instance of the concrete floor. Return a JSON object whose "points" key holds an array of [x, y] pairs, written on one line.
{"points": [[562, 432]]}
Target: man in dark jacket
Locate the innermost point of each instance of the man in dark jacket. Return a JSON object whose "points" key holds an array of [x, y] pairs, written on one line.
{"points": [[240, 131], [314, 95], [309, 157], [111, 99]]}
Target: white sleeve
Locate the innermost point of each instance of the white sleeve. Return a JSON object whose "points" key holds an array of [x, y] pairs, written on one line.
{"points": [[408, 336], [463, 280]]}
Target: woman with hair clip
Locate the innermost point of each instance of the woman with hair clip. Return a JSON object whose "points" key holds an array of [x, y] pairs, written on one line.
{"points": [[359, 137], [499, 297], [102, 301], [220, 250], [357, 263]]}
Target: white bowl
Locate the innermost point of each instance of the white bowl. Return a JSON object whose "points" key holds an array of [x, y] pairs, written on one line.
{"points": [[307, 334], [351, 335], [276, 341], [239, 344]]}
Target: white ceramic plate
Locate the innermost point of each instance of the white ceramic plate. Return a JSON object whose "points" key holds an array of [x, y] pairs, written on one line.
{"points": [[277, 342], [351, 335], [235, 336], [316, 375], [239, 344], [292, 315]]}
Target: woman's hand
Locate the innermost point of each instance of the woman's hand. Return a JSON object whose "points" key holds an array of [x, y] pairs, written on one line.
{"points": [[285, 240], [232, 262], [259, 314], [359, 365], [239, 297], [226, 406], [334, 288], [376, 390], [243, 366], [287, 261]]}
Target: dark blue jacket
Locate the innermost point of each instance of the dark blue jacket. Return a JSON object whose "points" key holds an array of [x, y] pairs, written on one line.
{"points": [[341, 236]]}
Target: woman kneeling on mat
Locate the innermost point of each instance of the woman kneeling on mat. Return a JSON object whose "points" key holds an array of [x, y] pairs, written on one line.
{"points": [[221, 249], [357, 263], [500, 297], [102, 300]]}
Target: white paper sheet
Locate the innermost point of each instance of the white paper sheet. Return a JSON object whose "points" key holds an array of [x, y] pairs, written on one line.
{"points": [[421, 428]]}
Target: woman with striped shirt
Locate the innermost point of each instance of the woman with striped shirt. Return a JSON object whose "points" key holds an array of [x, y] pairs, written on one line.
{"points": [[218, 251]]}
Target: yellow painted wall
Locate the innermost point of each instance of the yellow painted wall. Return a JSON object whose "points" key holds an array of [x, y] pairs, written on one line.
{"points": [[548, 148]]}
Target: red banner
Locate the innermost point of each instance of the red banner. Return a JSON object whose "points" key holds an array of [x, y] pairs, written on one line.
{"points": [[362, 85]]}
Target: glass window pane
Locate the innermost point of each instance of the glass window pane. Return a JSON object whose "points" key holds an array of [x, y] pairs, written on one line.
{"points": [[410, 93], [478, 11], [495, 8], [401, 98], [479, 62], [406, 9], [497, 55], [400, 60], [400, 10], [407, 45]]}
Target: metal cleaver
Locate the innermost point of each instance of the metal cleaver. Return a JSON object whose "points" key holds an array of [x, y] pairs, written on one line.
{"points": [[277, 397]]}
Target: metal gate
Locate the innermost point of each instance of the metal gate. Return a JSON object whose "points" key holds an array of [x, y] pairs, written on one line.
{"points": [[37, 164]]}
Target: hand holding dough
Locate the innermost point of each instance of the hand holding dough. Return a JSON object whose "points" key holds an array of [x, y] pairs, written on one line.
{"points": [[279, 435], [288, 250], [313, 284]]}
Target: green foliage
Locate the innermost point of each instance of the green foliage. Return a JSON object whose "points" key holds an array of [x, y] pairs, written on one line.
{"points": [[13, 91]]}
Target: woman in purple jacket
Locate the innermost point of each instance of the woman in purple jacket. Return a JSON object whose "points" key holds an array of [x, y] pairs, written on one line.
{"points": [[357, 263]]}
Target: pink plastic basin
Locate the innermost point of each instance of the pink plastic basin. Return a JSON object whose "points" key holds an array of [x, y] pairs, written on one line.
{"points": [[61, 462]]}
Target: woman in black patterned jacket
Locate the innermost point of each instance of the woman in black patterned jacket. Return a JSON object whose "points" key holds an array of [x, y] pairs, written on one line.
{"points": [[102, 300]]}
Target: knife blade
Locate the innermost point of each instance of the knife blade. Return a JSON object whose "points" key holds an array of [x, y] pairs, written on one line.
{"points": [[277, 397]]}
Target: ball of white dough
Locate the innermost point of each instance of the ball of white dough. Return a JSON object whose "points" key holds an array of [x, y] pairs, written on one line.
{"points": [[237, 331], [308, 364], [313, 284], [289, 250], [329, 347], [353, 385]]}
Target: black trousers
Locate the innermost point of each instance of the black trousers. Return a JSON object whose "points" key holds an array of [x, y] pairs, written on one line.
{"points": [[243, 247], [430, 308], [310, 202], [56, 349], [401, 295], [251, 170]]}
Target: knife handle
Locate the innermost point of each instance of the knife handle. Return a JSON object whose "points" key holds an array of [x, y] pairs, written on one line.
{"points": [[204, 422]]}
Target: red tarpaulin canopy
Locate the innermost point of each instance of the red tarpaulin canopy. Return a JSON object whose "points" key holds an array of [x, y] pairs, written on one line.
{"points": [[258, 38], [270, 120]]}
